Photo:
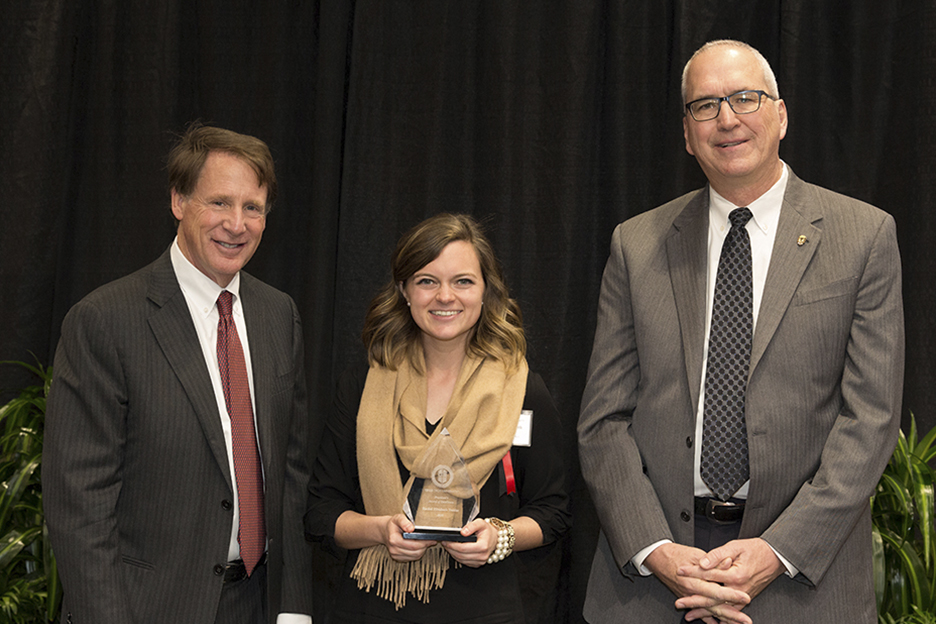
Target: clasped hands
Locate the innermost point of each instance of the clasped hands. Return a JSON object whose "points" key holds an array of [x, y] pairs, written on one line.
{"points": [[717, 585], [471, 554]]}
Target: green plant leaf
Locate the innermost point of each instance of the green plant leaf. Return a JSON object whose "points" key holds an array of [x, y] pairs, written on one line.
{"points": [[925, 449], [877, 557], [895, 493], [924, 504], [12, 490], [912, 438], [30, 590], [13, 542], [914, 571], [53, 585], [39, 370]]}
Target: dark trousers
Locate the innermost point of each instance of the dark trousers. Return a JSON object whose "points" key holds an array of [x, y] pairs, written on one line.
{"points": [[709, 535], [244, 601]]}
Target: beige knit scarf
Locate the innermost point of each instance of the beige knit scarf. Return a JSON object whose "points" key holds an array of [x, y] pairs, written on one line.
{"points": [[482, 418]]}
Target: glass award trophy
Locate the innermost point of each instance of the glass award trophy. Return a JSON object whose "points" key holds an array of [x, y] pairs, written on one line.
{"points": [[439, 497]]}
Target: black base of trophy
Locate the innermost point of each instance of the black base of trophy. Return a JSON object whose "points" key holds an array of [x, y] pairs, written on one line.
{"points": [[440, 535]]}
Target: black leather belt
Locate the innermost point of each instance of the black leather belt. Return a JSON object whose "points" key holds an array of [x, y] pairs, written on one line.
{"points": [[719, 511], [237, 571]]}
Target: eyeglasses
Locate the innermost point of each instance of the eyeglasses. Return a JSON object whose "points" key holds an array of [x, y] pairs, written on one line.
{"points": [[742, 103]]}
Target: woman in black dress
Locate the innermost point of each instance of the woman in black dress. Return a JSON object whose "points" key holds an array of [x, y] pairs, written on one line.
{"points": [[446, 354]]}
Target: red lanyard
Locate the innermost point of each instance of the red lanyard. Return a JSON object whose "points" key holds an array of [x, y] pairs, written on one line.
{"points": [[509, 474]]}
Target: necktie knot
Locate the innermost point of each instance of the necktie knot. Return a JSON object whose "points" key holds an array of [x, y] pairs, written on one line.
{"points": [[225, 303], [738, 217]]}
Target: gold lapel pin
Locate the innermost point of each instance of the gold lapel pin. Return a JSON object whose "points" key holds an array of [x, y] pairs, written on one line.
{"points": [[801, 240]]}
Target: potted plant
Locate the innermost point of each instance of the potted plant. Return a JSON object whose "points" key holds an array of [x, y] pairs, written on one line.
{"points": [[29, 585], [904, 536]]}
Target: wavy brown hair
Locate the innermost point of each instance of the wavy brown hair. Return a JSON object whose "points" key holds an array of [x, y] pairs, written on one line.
{"points": [[189, 154], [390, 333]]}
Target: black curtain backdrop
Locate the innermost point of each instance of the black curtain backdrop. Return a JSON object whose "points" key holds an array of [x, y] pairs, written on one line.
{"points": [[551, 121]]}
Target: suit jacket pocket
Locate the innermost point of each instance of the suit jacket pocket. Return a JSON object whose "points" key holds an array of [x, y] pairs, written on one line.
{"points": [[137, 563], [282, 383], [840, 288]]}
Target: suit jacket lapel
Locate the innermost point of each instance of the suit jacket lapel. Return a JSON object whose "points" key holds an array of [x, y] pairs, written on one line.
{"points": [[788, 261], [174, 331], [255, 316], [686, 250]]}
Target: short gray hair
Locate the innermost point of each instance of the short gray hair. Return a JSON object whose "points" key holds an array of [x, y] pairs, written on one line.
{"points": [[769, 76]]}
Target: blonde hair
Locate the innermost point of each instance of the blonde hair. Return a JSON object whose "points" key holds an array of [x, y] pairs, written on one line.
{"points": [[390, 333]]}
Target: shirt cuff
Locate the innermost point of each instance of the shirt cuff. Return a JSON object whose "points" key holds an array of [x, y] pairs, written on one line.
{"points": [[293, 618], [642, 555], [791, 570]]}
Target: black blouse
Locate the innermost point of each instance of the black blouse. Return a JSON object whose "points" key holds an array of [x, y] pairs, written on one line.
{"points": [[499, 592]]}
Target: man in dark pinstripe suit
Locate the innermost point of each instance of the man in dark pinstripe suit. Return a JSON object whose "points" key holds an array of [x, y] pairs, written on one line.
{"points": [[138, 489]]}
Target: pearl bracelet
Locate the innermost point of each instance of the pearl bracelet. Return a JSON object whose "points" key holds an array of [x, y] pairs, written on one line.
{"points": [[505, 539]]}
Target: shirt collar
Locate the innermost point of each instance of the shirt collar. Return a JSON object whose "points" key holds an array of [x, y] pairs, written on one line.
{"points": [[200, 290], [766, 208]]}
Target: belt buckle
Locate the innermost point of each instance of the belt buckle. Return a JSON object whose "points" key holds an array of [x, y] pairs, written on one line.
{"points": [[234, 571], [712, 507]]}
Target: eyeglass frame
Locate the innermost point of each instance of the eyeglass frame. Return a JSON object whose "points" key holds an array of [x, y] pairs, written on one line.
{"points": [[761, 94]]}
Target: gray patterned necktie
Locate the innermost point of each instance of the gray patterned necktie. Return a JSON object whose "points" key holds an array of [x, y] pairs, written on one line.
{"points": [[724, 464]]}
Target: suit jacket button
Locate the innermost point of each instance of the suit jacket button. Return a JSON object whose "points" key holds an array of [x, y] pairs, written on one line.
{"points": [[226, 505], [219, 570], [686, 516], [689, 441]]}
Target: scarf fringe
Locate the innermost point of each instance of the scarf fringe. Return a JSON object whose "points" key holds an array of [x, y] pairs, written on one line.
{"points": [[394, 579]]}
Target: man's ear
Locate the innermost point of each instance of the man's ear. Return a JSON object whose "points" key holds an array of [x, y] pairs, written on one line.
{"points": [[784, 120], [685, 131], [178, 201]]}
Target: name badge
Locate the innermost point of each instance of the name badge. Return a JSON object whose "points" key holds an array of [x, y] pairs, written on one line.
{"points": [[524, 429]]}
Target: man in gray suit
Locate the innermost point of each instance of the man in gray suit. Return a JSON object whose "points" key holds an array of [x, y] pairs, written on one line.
{"points": [[174, 488], [772, 523]]}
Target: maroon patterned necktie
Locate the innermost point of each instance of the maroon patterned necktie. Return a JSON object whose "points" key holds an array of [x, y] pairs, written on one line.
{"points": [[724, 466], [247, 471]]}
